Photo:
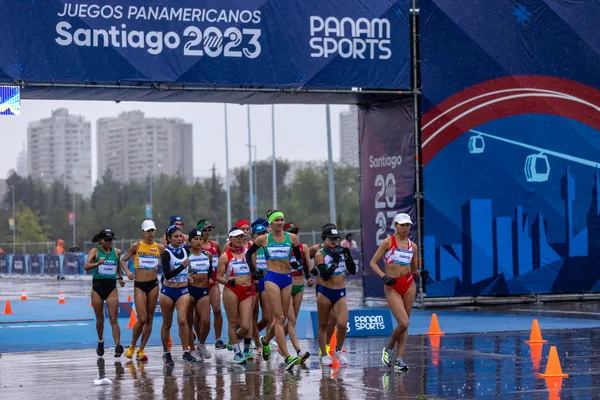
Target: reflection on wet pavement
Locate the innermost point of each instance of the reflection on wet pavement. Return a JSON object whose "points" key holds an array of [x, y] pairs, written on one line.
{"points": [[481, 365], [453, 366]]}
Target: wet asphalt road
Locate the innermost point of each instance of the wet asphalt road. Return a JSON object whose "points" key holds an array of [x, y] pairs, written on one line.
{"points": [[459, 366], [479, 365]]}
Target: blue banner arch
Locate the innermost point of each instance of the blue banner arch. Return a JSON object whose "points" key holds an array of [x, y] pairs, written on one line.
{"points": [[187, 44]]}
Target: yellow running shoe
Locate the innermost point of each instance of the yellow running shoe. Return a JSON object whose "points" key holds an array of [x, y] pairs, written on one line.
{"points": [[327, 347], [130, 351], [140, 356]]}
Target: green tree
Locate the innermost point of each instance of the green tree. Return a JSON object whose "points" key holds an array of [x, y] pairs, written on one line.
{"points": [[28, 226]]}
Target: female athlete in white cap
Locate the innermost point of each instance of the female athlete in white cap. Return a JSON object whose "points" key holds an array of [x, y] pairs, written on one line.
{"points": [[401, 265]]}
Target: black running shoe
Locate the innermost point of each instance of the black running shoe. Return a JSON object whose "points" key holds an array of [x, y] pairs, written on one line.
{"points": [[219, 345], [100, 349], [118, 350], [187, 356], [168, 359]]}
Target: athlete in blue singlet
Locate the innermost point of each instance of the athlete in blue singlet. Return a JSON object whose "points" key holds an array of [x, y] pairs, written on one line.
{"points": [[332, 262]]}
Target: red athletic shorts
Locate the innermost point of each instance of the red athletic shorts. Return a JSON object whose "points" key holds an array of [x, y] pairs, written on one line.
{"points": [[214, 279], [242, 292], [403, 284]]}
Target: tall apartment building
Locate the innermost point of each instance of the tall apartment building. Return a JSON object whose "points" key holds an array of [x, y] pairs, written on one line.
{"points": [[349, 137], [59, 148], [134, 147]]}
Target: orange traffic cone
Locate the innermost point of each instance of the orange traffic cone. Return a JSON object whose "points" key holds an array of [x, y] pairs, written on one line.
{"points": [[23, 295], [553, 368], [434, 326], [7, 308], [536, 334], [333, 342], [170, 341], [132, 320], [129, 299], [61, 298], [91, 305]]}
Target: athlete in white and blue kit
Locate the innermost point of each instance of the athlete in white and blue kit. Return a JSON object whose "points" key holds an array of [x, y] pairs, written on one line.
{"points": [[174, 293]]}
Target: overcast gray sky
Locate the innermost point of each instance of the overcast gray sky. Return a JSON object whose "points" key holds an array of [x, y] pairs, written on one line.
{"points": [[300, 129]]}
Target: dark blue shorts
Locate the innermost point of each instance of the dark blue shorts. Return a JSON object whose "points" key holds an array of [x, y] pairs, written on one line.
{"points": [[197, 292], [174, 293], [281, 280], [332, 294]]}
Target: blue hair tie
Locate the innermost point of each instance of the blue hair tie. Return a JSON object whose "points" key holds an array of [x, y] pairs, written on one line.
{"points": [[171, 229]]}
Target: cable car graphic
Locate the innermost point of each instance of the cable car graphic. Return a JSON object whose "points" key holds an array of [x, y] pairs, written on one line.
{"points": [[537, 166], [476, 144]]}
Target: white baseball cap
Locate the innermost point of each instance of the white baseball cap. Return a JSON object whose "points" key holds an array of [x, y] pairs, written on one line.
{"points": [[236, 232], [402, 218], [147, 225]]}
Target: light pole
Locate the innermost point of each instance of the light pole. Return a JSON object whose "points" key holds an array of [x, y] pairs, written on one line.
{"points": [[332, 212], [250, 183], [274, 159], [150, 190], [149, 215], [12, 187], [255, 178], [227, 175], [74, 223]]}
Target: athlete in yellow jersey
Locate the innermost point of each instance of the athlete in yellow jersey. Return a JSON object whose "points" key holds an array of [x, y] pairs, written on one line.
{"points": [[146, 254]]}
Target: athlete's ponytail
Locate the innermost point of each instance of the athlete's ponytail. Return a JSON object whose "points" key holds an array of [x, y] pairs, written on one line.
{"points": [[96, 238]]}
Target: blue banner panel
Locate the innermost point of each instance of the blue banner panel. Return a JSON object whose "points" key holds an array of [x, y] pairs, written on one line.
{"points": [[361, 323], [511, 143], [4, 266], [52, 264], [73, 263], [36, 262], [387, 179], [19, 266], [258, 43]]}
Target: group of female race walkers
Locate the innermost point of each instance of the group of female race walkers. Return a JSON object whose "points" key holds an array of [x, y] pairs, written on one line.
{"points": [[262, 264]]}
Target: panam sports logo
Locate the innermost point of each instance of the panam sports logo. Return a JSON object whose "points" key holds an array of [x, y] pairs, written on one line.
{"points": [[369, 322], [350, 38]]}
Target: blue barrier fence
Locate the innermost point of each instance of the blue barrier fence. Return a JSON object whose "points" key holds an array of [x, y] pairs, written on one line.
{"points": [[68, 264], [45, 264]]}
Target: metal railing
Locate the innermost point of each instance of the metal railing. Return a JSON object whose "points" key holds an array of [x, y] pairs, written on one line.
{"points": [[29, 247]]}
